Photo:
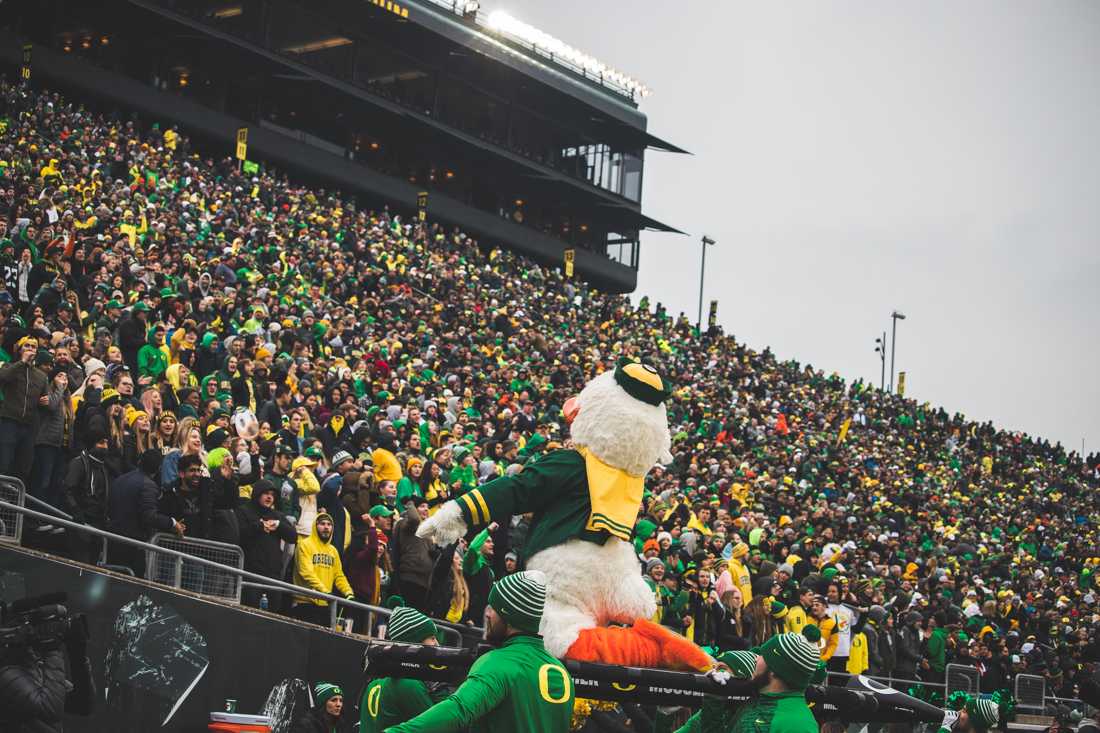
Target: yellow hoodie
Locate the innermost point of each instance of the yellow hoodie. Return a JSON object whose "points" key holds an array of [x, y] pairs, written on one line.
{"points": [[317, 566], [386, 466], [307, 487]]}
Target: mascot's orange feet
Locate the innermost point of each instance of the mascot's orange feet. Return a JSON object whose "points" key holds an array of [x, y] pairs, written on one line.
{"points": [[645, 644]]}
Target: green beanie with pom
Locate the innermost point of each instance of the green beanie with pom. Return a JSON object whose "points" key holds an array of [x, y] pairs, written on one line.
{"points": [[794, 658]]}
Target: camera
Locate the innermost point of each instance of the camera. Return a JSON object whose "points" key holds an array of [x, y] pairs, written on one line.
{"points": [[44, 628], [40, 622]]}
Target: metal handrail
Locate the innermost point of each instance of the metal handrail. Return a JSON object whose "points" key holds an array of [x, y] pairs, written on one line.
{"points": [[15, 535], [48, 507], [183, 543], [333, 615], [243, 574]]}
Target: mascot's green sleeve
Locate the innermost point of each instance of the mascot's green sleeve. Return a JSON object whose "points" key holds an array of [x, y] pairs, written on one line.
{"points": [[556, 488]]}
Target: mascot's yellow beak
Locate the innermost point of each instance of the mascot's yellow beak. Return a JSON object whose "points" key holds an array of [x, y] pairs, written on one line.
{"points": [[570, 409]]}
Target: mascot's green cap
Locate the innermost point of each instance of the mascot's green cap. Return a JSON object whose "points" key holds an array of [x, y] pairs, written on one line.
{"points": [[642, 382]]}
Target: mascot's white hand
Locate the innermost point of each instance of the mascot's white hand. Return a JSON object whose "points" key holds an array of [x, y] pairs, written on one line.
{"points": [[720, 675], [950, 718], [445, 526]]}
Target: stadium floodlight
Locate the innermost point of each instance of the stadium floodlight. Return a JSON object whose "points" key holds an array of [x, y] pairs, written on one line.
{"points": [[895, 317], [501, 22], [880, 349], [702, 275]]}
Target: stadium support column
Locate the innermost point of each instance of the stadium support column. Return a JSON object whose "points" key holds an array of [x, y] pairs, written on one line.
{"points": [[895, 316], [702, 274]]}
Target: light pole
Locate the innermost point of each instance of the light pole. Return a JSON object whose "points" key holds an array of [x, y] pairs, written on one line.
{"points": [[880, 349], [702, 272], [895, 316]]}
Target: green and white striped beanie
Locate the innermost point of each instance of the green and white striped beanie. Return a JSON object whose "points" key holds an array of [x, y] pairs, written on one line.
{"points": [[793, 658], [984, 713], [519, 598], [325, 691], [410, 626], [742, 664]]}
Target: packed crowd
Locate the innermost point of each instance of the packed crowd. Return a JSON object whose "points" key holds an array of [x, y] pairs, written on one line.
{"points": [[241, 358]]}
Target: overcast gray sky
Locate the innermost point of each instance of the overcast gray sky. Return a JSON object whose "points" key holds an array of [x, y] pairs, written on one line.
{"points": [[937, 157]]}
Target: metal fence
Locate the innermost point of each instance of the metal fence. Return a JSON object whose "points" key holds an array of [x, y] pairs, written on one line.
{"points": [[170, 555], [963, 678], [201, 578], [11, 521], [1030, 691]]}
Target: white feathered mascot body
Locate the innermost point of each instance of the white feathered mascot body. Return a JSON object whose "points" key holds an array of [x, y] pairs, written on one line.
{"points": [[585, 502]]}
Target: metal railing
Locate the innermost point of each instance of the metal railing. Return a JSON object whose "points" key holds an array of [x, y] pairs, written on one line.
{"points": [[1030, 691], [243, 575], [180, 573], [962, 678], [12, 491], [337, 605]]}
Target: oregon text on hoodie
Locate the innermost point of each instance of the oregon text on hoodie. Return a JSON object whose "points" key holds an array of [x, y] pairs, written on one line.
{"points": [[317, 566]]}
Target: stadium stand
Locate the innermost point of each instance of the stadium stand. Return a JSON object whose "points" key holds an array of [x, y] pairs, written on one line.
{"points": [[153, 292]]}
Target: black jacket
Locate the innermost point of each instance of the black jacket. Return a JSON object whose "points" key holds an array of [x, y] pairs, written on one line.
{"points": [[415, 560], [196, 509], [35, 689], [87, 485], [262, 552], [909, 652], [888, 650], [131, 337], [727, 637], [441, 585], [22, 384], [132, 507], [316, 721], [874, 651]]}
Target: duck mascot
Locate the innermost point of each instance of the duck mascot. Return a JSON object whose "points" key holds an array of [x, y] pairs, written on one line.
{"points": [[585, 501]]}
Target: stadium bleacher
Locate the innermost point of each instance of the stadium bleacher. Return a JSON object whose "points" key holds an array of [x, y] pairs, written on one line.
{"points": [[439, 362]]}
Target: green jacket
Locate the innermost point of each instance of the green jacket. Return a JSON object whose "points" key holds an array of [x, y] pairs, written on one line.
{"points": [[473, 561], [555, 488], [390, 701], [407, 489], [151, 362], [518, 687], [937, 650], [776, 712]]}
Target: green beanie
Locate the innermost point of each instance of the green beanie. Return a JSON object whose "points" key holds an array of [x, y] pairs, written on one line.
{"points": [[410, 626], [741, 664], [325, 691], [519, 598], [793, 658]]}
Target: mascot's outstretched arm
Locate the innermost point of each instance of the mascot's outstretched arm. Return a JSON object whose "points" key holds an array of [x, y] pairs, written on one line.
{"points": [[531, 490]]}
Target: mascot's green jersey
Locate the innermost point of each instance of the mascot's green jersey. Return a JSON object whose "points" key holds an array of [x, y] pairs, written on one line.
{"points": [[572, 494], [518, 687]]}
